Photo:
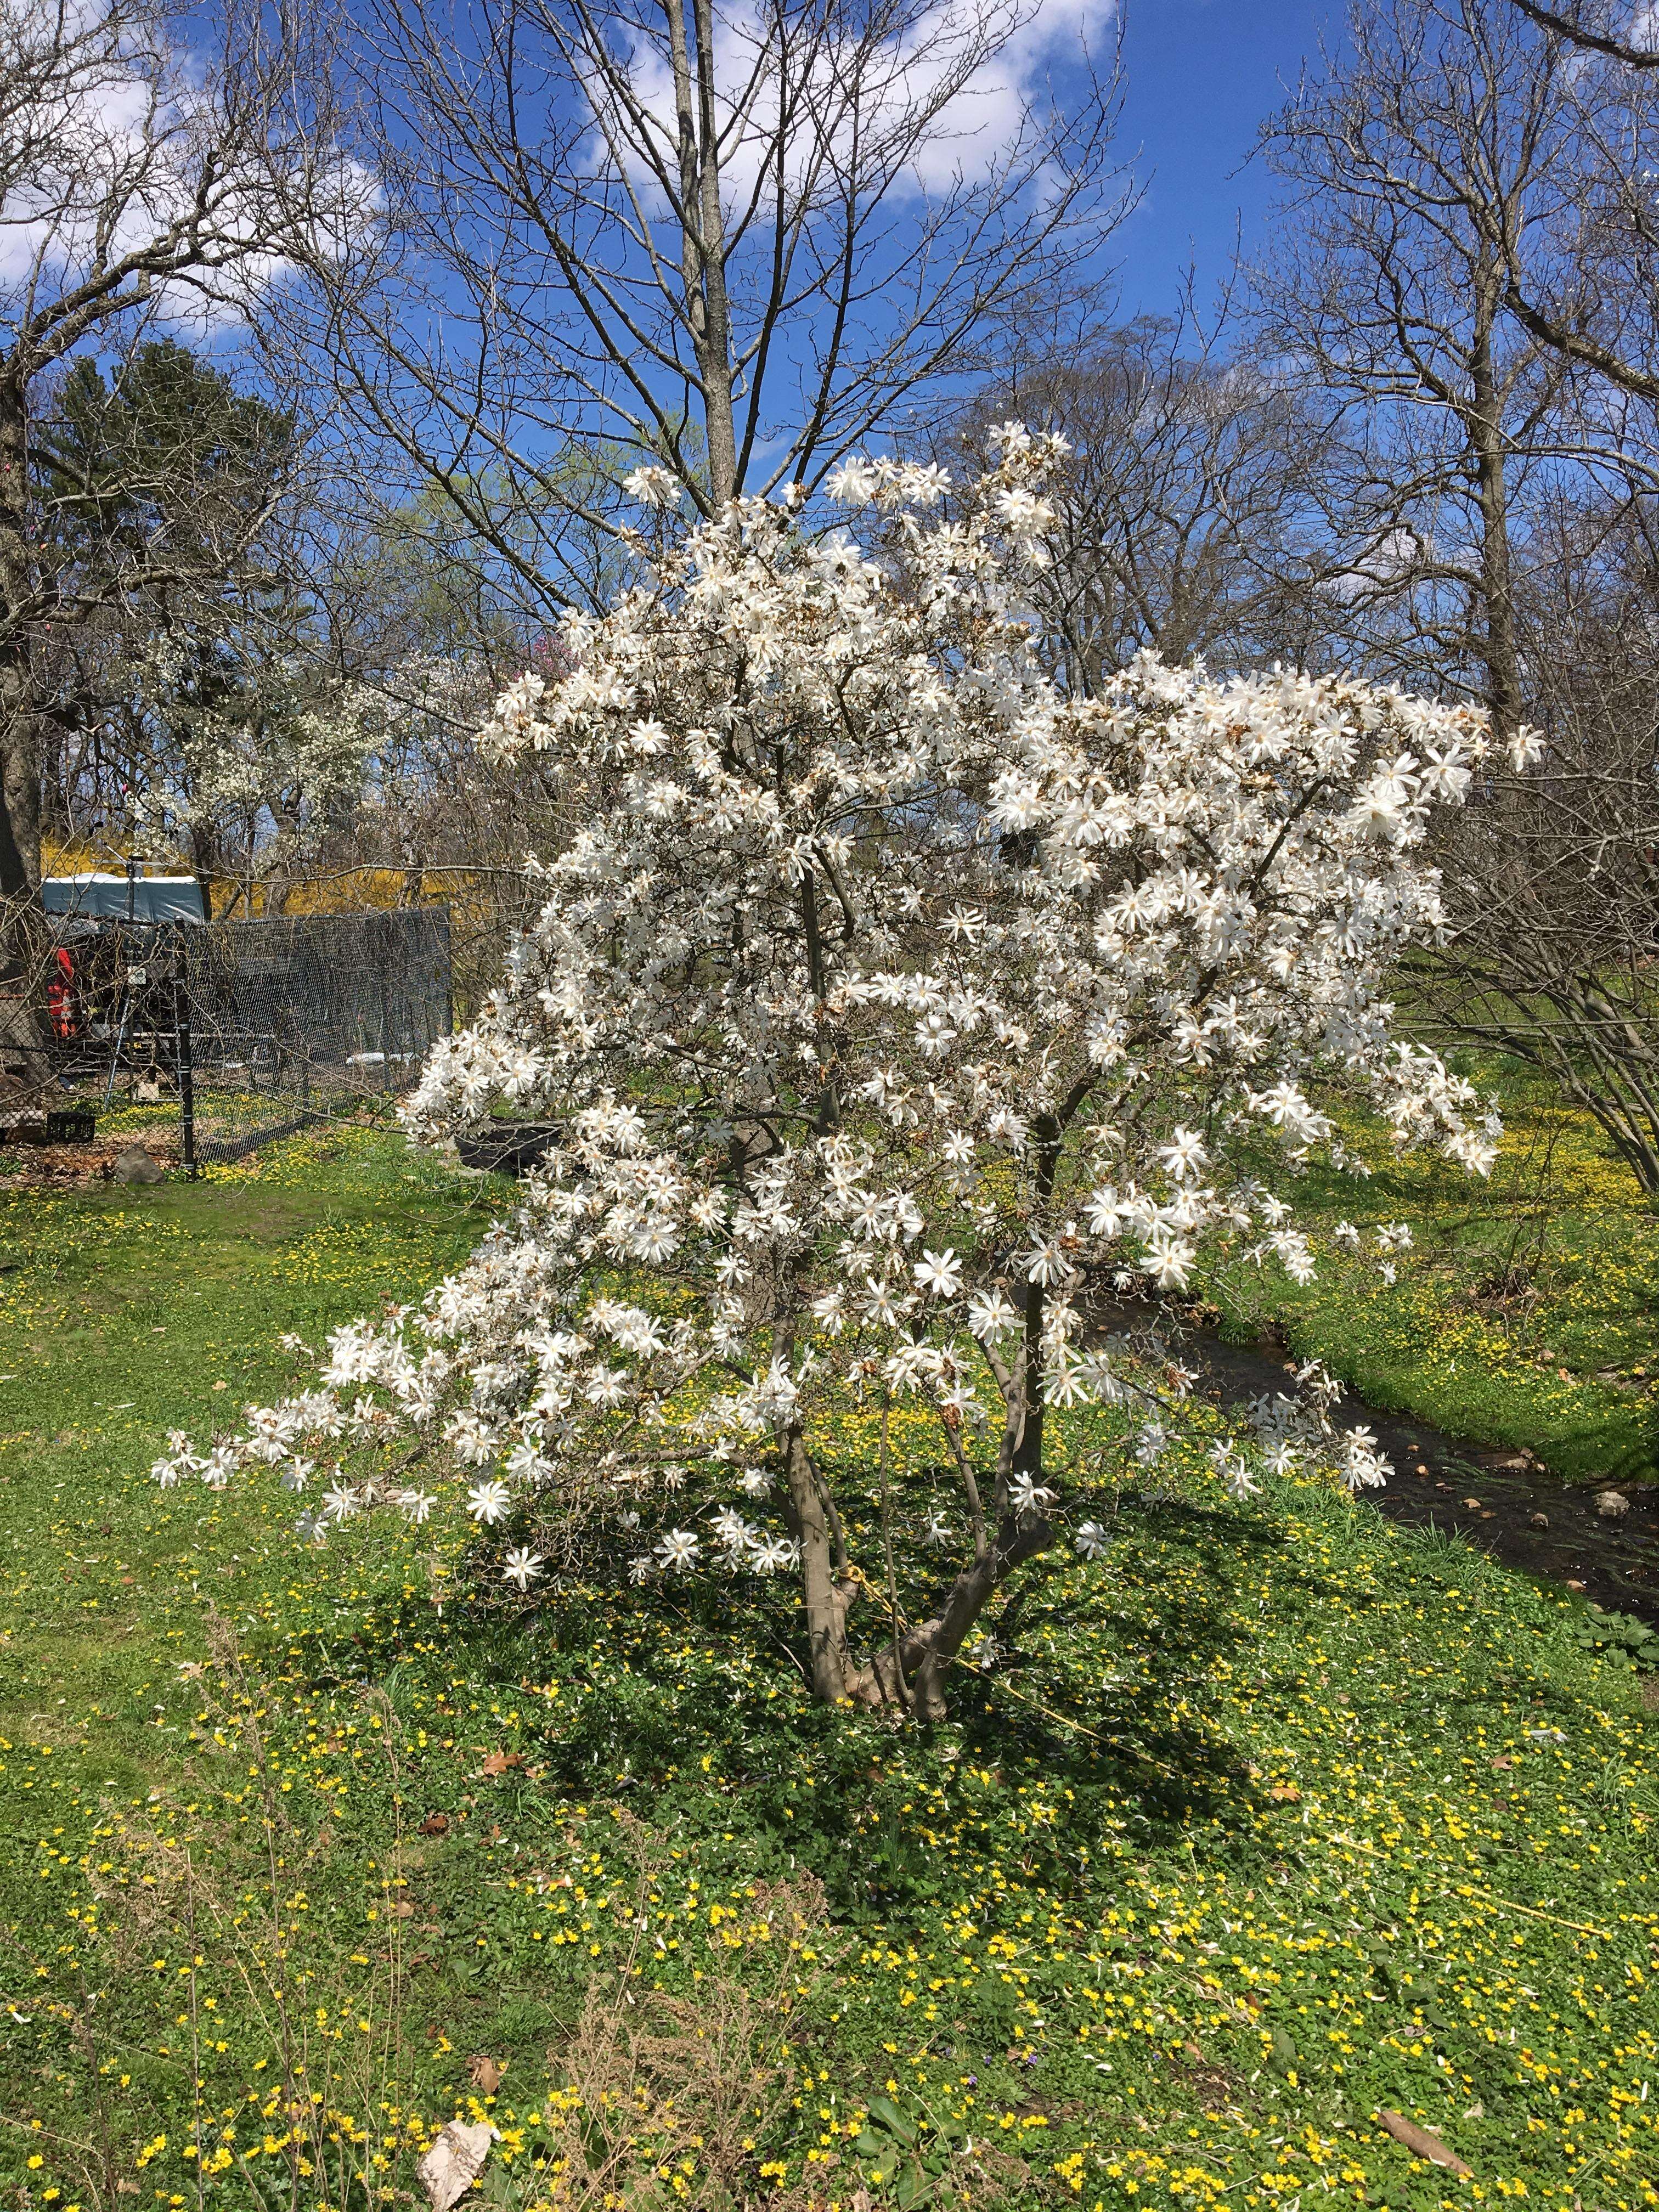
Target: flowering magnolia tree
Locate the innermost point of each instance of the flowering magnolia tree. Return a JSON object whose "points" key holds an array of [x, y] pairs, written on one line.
{"points": [[887, 993]]}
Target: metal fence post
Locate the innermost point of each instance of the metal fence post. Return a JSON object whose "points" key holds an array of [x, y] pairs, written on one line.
{"points": [[186, 1071]]}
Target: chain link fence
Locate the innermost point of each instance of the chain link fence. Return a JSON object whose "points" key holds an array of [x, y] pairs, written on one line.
{"points": [[232, 1033]]}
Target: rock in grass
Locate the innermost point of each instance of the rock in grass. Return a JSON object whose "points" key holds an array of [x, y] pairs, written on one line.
{"points": [[453, 2163], [135, 1165], [1612, 1505]]}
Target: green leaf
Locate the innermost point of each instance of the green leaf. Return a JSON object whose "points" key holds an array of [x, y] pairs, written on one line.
{"points": [[913, 2186], [884, 2110]]}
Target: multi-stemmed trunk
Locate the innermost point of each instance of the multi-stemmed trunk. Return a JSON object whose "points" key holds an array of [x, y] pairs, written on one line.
{"points": [[910, 1668]]}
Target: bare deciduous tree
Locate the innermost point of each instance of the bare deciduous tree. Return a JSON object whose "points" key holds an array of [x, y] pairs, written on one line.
{"points": [[734, 243], [1591, 28], [1553, 894], [1473, 270], [1429, 163], [1596, 305], [1181, 515], [140, 176]]}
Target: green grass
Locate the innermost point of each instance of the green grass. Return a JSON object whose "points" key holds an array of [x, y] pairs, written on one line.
{"points": [[1527, 1312], [1275, 1819]]}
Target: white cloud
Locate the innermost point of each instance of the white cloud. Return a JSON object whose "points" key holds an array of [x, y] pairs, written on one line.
{"points": [[108, 146], [972, 69]]}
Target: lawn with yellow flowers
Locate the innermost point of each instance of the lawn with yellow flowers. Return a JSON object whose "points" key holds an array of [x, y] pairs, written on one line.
{"points": [[1274, 1835], [1525, 1311]]}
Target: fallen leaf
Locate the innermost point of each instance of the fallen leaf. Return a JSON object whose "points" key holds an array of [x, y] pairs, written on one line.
{"points": [[1498, 1764], [485, 2074], [403, 1910], [1420, 2143], [499, 1761], [435, 1824], [1472, 1503], [1285, 1792], [190, 1670], [453, 2163]]}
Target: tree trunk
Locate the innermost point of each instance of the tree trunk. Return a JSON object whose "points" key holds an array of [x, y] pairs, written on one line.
{"points": [[702, 240], [825, 1596], [22, 919], [20, 725], [1486, 431]]}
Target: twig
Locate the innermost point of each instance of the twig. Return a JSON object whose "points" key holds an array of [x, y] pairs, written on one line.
{"points": [[1485, 1896]]}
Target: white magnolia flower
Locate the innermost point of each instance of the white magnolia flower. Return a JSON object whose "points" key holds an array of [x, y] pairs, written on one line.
{"points": [[1026, 1494], [1235, 1477], [522, 1567], [991, 1315], [1151, 1442], [489, 1502], [678, 1548], [1092, 1541], [651, 486], [1184, 1155], [939, 1272], [1045, 1262]]}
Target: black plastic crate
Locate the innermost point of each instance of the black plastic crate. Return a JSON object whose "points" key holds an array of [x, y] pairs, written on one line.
{"points": [[71, 1125]]}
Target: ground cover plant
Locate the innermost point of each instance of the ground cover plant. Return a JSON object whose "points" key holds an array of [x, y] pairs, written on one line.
{"points": [[1519, 1310], [1263, 1821]]}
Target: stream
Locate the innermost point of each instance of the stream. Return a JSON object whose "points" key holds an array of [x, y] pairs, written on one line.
{"points": [[1496, 1499], [1490, 1498]]}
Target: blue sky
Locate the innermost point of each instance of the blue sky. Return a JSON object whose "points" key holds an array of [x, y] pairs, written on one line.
{"points": [[1201, 74]]}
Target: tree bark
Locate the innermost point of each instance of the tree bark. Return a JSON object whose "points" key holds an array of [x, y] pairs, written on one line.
{"points": [[703, 236], [22, 918], [20, 725], [825, 1596], [940, 1640], [1485, 430]]}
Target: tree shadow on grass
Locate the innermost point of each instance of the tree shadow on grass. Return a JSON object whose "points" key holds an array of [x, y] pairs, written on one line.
{"points": [[1108, 1707]]}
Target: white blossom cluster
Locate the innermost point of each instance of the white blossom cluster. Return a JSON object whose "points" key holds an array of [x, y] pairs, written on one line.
{"points": [[889, 994]]}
